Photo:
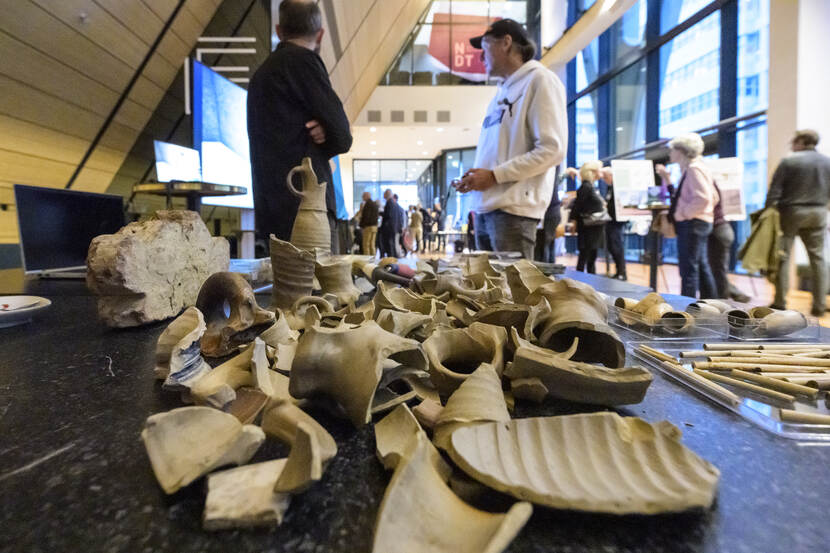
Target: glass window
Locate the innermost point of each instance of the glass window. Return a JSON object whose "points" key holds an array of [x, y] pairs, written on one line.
{"points": [[587, 65], [674, 12], [753, 56], [690, 78], [628, 109], [587, 147], [405, 177], [440, 52], [628, 33]]}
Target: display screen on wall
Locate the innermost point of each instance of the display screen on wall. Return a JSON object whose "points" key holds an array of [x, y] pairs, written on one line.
{"points": [[176, 163], [220, 133]]}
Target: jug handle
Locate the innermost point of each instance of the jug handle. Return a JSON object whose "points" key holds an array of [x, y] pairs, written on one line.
{"points": [[290, 184]]}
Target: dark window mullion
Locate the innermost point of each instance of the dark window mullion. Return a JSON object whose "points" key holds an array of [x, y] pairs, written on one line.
{"points": [[653, 73], [727, 146]]}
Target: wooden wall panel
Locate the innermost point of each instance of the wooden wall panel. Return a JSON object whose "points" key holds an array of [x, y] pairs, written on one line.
{"points": [[100, 27], [63, 66]]}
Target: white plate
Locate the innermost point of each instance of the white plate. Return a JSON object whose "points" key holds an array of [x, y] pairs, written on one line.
{"points": [[15, 310]]}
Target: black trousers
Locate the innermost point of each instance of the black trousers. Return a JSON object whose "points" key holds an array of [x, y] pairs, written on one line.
{"points": [[614, 236], [388, 243], [587, 260]]}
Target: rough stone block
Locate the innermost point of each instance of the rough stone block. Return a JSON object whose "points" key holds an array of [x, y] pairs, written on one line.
{"points": [[151, 270]]}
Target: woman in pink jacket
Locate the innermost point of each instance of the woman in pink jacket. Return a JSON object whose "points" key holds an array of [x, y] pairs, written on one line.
{"points": [[693, 211]]}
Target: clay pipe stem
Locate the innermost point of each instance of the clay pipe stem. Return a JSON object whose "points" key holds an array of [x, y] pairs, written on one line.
{"points": [[816, 354], [754, 367], [709, 389], [746, 386], [793, 345], [774, 360], [774, 384], [657, 354], [788, 415]]}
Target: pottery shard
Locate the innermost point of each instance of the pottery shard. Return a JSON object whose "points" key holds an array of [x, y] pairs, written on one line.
{"points": [[151, 270], [575, 381], [596, 462]]}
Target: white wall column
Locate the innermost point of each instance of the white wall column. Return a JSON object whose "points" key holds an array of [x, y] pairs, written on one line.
{"points": [[798, 77]]}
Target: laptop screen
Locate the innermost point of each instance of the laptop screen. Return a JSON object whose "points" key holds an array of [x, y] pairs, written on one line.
{"points": [[174, 162], [56, 225]]}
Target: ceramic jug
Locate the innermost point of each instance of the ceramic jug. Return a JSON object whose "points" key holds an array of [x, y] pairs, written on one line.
{"points": [[311, 227]]}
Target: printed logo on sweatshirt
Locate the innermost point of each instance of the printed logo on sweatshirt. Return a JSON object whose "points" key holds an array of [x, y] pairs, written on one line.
{"points": [[496, 117]]}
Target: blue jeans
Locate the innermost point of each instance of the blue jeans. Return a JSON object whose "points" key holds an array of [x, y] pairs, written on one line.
{"points": [[692, 259], [504, 232]]}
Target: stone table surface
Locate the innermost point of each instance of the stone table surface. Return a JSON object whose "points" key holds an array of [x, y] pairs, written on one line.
{"points": [[74, 475]]}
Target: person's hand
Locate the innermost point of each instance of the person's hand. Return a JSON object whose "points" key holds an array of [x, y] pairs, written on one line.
{"points": [[607, 175], [476, 179], [572, 172], [662, 171], [316, 131]]}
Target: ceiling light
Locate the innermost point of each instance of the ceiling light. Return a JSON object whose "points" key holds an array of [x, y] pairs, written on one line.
{"points": [[620, 129], [440, 129], [420, 143], [373, 142], [374, 153], [373, 129], [449, 157]]}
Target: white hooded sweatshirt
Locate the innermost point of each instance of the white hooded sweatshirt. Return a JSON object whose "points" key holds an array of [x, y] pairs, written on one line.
{"points": [[523, 138]]}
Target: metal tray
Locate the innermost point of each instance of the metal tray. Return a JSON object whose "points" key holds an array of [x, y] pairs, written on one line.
{"points": [[758, 410]]}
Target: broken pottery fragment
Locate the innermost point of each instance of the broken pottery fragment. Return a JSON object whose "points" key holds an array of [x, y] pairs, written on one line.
{"points": [[780, 323], [419, 512], [281, 421], [185, 443], [427, 413], [478, 399], [178, 358], [346, 365], [678, 322], [703, 310], [271, 383], [304, 466], [524, 318], [524, 277], [293, 273], [244, 497], [335, 276], [478, 264], [597, 462], [454, 354], [401, 323], [248, 404], [577, 311], [573, 381], [217, 387], [402, 299], [395, 435], [151, 270], [231, 312], [279, 332]]}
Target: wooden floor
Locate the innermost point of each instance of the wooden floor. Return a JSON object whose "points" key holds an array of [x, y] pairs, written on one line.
{"points": [[668, 281]]}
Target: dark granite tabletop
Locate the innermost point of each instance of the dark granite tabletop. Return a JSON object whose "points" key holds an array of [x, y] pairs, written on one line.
{"points": [[74, 475]]}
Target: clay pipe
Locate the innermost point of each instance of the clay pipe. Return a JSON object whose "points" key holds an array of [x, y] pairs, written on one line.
{"points": [[380, 273]]}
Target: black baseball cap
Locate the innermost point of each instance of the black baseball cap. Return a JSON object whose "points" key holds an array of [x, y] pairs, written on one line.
{"points": [[503, 27]]}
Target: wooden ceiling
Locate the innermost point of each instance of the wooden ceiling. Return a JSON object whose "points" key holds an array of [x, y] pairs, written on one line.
{"points": [[85, 85]]}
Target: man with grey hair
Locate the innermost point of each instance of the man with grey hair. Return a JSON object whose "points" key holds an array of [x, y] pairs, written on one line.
{"points": [[293, 112], [800, 189], [523, 138]]}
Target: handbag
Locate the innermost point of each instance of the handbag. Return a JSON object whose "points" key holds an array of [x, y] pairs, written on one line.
{"points": [[596, 218]]}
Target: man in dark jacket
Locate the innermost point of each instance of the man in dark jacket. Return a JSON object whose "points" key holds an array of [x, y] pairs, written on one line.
{"points": [[368, 222], [293, 112], [800, 189], [389, 226]]}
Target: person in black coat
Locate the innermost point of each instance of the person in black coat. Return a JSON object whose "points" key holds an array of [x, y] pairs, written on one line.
{"points": [[390, 222], [587, 202], [293, 112], [614, 230]]}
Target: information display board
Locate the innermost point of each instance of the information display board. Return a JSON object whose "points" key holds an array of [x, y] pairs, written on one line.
{"points": [[632, 179], [728, 173]]}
